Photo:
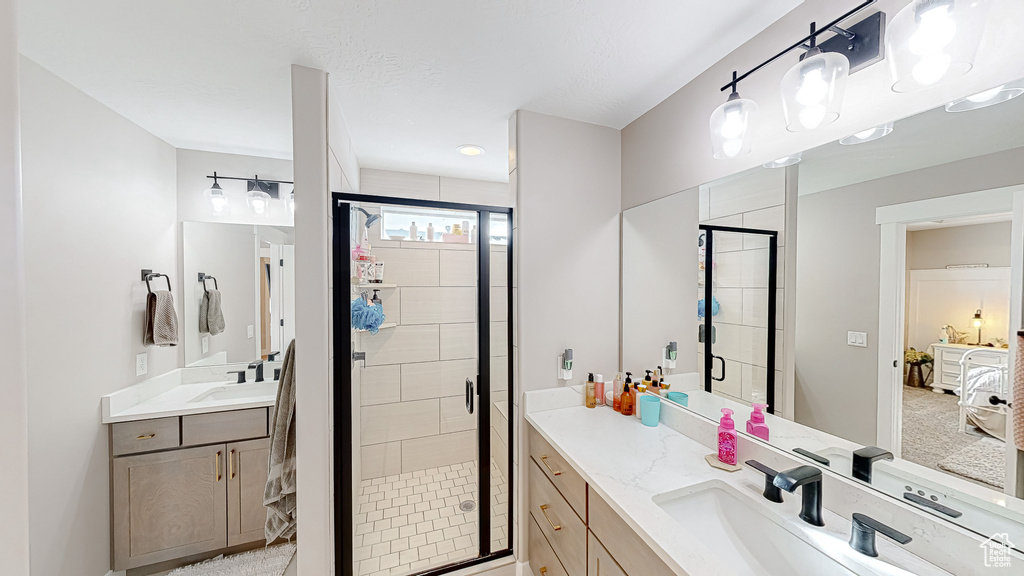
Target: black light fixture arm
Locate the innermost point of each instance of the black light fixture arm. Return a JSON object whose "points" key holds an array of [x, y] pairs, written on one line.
{"points": [[216, 177], [802, 43]]}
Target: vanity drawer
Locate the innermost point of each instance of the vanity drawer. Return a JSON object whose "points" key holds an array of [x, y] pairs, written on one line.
{"points": [[599, 561], [572, 486], [543, 561], [629, 550], [144, 436], [220, 427], [564, 530]]}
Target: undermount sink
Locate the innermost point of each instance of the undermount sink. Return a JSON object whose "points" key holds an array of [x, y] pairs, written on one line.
{"points": [[255, 391], [742, 537]]}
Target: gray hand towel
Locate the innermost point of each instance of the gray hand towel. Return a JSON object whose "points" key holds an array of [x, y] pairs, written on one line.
{"points": [[161, 320], [279, 496], [211, 314]]}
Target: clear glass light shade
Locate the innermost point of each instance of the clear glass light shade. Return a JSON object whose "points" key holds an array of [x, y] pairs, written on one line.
{"points": [[730, 127], [930, 41], [216, 197], [291, 202], [987, 98], [258, 201], [868, 135], [812, 90], [785, 161]]}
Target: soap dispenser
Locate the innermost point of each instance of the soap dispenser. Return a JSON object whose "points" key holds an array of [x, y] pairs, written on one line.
{"points": [[756, 425], [727, 438]]}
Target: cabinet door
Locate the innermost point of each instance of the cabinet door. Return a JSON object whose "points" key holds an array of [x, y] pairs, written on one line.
{"points": [[168, 505], [599, 561], [247, 480]]}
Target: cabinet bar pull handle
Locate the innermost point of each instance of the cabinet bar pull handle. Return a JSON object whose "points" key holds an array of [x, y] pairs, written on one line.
{"points": [[544, 459], [218, 466], [544, 511], [145, 436], [231, 465]]}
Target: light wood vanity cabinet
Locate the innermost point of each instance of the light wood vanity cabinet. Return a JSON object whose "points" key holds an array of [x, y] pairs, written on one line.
{"points": [[174, 500], [572, 531]]}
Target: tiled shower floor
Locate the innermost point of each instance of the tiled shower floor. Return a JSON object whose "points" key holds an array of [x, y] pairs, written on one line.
{"points": [[411, 522]]}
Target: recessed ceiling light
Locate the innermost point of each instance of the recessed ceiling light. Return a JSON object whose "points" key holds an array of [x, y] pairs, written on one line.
{"points": [[470, 150]]}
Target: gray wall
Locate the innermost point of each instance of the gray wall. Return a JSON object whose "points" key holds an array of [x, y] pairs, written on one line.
{"points": [[99, 207], [837, 285], [975, 244]]}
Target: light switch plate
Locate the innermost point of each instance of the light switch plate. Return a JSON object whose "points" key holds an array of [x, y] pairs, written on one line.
{"points": [[249, 330], [141, 364], [206, 344], [858, 339]]}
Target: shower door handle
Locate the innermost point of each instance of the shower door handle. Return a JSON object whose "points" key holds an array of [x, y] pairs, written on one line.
{"points": [[470, 392], [713, 358]]}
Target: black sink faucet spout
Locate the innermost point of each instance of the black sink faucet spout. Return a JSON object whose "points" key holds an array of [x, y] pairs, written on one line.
{"points": [[258, 366], [865, 458], [810, 478]]}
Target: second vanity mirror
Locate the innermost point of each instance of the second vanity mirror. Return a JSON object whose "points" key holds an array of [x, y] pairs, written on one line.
{"points": [[883, 353], [251, 268]]}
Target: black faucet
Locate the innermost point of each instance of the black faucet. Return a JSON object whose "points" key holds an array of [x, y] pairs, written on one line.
{"points": [[771, 491], [272, 356], [258, 365], [810, 478], [865, 458], [862, 534], [241, 375]]}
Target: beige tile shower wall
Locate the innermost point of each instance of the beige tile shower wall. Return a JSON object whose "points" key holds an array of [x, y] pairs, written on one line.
{"points": [[412, 407], [754, 200]]}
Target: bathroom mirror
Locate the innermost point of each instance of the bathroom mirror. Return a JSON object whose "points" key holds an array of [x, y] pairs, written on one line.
{"points": [[892, 318], [252, 267]]}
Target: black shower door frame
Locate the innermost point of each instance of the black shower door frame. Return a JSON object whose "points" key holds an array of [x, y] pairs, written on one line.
{"points": [[343, 454], [773, 282]]}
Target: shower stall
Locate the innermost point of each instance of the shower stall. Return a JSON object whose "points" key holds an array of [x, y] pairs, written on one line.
{"points": [[422, 429]]}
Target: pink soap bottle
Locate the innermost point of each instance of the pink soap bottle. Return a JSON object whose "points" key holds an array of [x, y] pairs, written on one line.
{"points": [[727, 438], [756, 425]]}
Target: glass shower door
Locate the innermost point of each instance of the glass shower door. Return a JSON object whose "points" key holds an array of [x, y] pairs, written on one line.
{"points": [[428, 385], [737, 331]]}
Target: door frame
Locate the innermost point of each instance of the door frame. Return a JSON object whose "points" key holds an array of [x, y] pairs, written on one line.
{"points": [[892, 286], [342, 365]]}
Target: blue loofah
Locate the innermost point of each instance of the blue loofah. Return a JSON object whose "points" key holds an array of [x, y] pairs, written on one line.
{"points": [[367, 317], [715, 307]]}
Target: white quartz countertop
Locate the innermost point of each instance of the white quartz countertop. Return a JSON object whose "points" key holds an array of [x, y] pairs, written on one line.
{"points": [[627, 464], [145, 401]]}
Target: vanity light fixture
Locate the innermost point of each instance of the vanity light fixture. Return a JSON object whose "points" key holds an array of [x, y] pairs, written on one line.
{"points": [[812, 90], [785, 161], [256, 198], [990, 97], [934, 40], [215, 194], [730, 125], [471, 150], [869, 135]]}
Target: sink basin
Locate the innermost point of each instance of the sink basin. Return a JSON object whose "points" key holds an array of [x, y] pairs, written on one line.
{"points": [[741, 537], [255, 391]]}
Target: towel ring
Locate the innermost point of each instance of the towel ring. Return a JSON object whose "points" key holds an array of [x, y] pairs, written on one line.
{"points": [[148, 275], [203, 277]]}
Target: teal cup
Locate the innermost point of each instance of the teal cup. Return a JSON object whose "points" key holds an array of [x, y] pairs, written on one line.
{"points": [[650, 410], [679, 398]]}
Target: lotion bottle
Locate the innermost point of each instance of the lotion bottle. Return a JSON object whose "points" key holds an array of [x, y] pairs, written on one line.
{"points": [[626, 401], [591, 392], [617, 392], [430, 231], [599, 389], [727, 438], [414, 232], [756, 425]]}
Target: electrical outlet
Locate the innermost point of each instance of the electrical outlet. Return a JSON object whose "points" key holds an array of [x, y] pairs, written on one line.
{"points": [[249, 330], [206, 344], [858, 339], [141, 364]]}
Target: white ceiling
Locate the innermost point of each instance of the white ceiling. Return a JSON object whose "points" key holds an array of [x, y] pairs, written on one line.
{"points": [[415, 79]]}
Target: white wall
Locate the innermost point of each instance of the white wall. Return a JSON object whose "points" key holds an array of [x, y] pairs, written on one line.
{"points": [[99, 206], [668, 149], [837, 285], [659, 263], [14, 530], [195, 165], [975, 244]]}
